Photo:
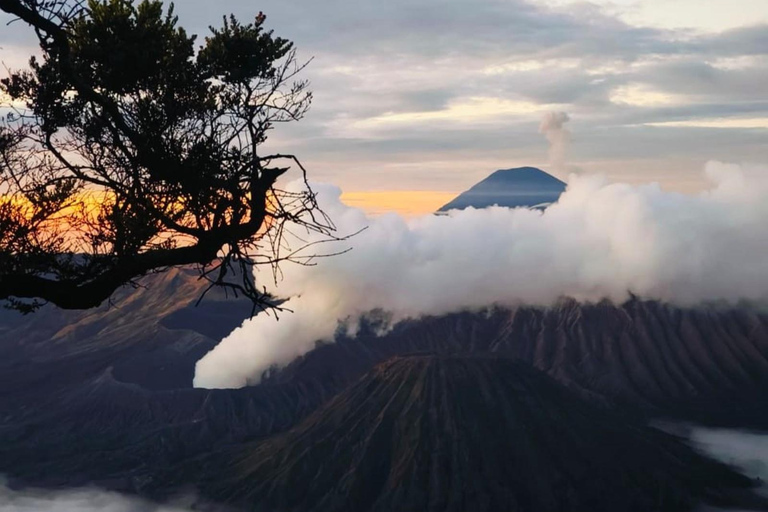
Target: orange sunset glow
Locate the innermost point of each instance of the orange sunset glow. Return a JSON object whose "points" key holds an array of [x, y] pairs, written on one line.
{"points": [[409, 203]]}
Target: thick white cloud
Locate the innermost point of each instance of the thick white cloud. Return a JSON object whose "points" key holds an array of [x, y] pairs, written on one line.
{"points": [[599, 241]]}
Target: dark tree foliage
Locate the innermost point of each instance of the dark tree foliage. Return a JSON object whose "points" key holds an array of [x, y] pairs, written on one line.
{"points": [[128, 150]]}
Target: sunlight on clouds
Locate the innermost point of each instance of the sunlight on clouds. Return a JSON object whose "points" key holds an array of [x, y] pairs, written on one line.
{"points": [[469, 109], [755, 122], [619, 66], [532, 65], [738, 63], [640, 96], [709, 15]]}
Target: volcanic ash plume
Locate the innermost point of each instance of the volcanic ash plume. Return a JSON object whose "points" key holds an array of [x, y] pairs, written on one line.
{"points": [[598, 241]]}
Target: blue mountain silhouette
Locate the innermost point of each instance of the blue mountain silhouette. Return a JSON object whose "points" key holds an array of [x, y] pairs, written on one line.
{"points": [[520, 187]]}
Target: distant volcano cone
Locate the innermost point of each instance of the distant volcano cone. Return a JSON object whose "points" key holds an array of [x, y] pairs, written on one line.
{"points": [[521, 187], [468, 433]]}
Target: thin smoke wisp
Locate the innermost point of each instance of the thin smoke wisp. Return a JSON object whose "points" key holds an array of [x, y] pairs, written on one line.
{"points": [[552, 126]]}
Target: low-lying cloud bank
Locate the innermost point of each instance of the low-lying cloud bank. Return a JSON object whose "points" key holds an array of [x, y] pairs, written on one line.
{"points": [[746, 451], [77, 500], [599, 241]]}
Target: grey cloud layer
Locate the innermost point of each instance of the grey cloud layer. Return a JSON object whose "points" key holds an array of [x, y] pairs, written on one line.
{"points": [[587, 57], [375, 59]]}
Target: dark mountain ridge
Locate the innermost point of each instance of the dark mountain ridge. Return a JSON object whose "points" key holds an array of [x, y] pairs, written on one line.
{"points": [[151, 335], [106, 432], [707, 364], [103, 397]]}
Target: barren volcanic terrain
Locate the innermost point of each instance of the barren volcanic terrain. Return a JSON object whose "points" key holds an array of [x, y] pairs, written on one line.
{"points": [[525, 407], [453, 433]]}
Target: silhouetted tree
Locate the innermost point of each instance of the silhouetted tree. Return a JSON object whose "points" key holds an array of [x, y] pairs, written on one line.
{"points": [[126, 150]]}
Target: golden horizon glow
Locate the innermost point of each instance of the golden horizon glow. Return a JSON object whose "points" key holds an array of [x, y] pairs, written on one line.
{"points": [[408, 203]]}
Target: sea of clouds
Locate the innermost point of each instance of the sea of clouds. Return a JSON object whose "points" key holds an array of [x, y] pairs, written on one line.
{"points": [[601, 240]]}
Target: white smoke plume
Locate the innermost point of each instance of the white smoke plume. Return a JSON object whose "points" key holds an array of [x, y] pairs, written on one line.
{"points": [[553, 128], [598, 241]]}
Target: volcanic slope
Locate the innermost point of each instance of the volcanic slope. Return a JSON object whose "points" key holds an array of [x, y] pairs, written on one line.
{"points": [[705, 364], [468, 433], [104, 432], [150, 334]]}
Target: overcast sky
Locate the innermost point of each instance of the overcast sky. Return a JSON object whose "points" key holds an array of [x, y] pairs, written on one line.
{"points": [[436, 94]]}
